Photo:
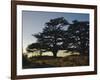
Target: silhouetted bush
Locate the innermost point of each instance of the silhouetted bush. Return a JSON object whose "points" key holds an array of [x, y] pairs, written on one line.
{"points": [[25, 61]]}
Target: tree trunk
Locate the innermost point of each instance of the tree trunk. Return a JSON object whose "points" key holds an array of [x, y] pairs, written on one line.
{"points": [[40, 53], [54, 54]]}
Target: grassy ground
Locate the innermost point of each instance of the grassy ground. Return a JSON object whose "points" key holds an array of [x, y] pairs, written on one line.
{"points": [[50, 61]]}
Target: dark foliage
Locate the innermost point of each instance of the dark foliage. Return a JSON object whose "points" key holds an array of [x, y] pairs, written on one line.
{"points": [[51, 38], [59, 34], [25, 60], [36, 47], [77, 37]]}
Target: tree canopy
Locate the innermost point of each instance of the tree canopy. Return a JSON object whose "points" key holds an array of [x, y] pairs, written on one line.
{"points": [[77, 37], [59, 34]]}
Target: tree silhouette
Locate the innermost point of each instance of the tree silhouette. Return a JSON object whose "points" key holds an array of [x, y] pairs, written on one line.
{"points": [[51, 38], [25, 60], [78, 37], [34, 47], [59, 34]]}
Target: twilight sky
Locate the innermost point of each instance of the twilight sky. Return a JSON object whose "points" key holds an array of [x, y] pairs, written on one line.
{"points": [[33, 22]]}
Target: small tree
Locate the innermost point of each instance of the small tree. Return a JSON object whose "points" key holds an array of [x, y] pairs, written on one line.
{"points": [[25, 61], [34, 47]]}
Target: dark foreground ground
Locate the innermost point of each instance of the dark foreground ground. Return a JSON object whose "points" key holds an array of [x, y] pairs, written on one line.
{"points": [[50, 61]]}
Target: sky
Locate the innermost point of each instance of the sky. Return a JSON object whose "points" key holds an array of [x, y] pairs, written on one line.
{"points": [[33, 22]]}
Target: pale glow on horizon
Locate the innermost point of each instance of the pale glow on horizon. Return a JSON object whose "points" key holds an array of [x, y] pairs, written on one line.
{"points": [[61, 53]]}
